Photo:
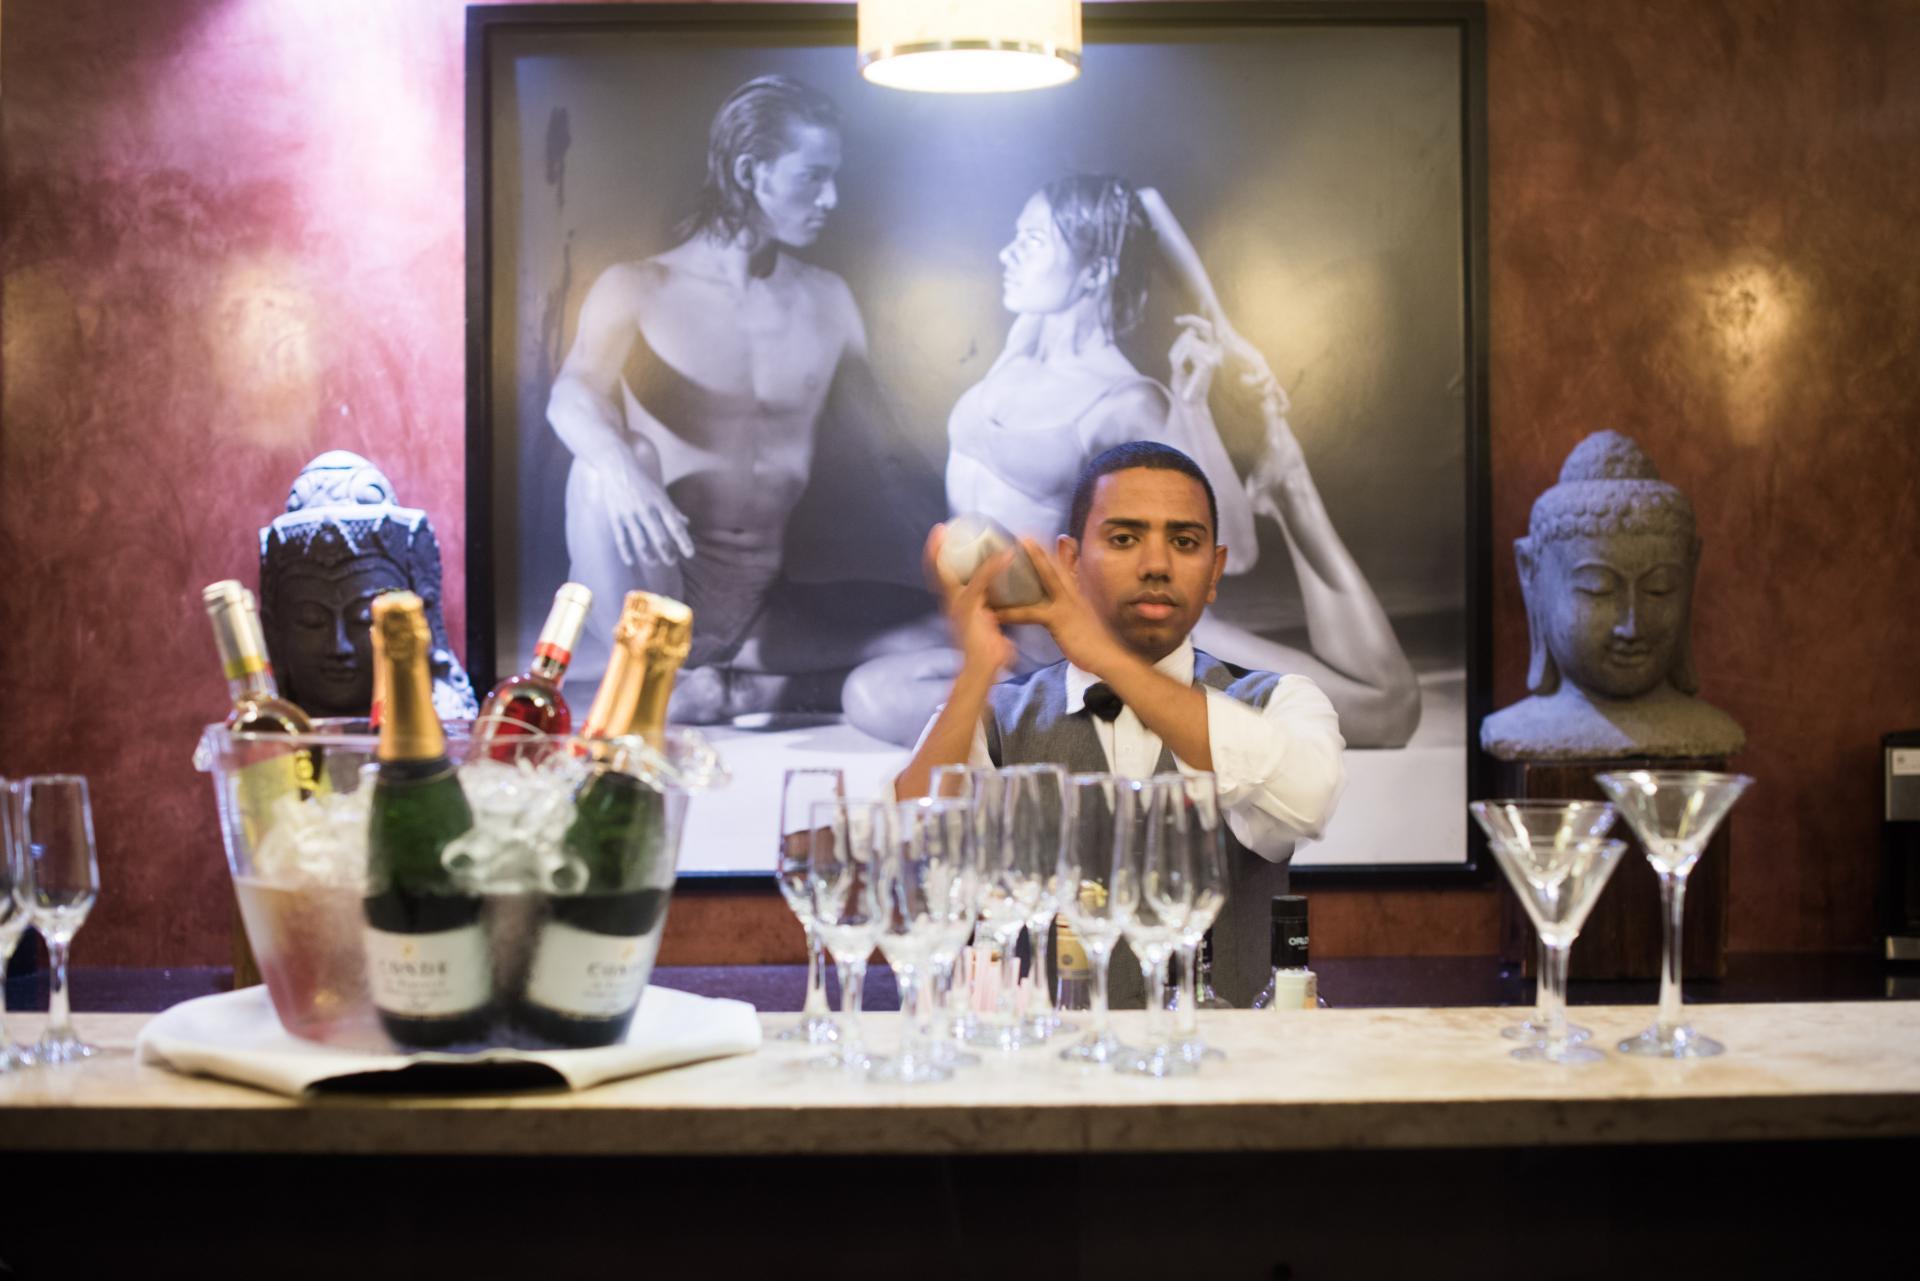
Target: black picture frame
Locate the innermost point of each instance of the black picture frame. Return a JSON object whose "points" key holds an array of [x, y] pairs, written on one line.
{"points": [[491, 29]]}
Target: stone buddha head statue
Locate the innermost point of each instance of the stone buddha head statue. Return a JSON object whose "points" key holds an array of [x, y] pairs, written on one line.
{"points": [[342, 541], [1607, 571]]}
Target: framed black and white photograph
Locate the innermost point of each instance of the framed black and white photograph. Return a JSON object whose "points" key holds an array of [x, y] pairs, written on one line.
{"points": [[1285, 205]]}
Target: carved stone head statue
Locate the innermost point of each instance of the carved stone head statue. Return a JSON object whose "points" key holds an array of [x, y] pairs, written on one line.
{"points": [[1607, 570], [342, 541]]}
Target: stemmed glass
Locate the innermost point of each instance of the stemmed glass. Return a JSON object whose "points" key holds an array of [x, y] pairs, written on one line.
{"points": [[1674, 813], [849, 840], [1042, 822], [1153, 891], [982, 785], [58, 882], [1099, 828], [1201, 825], [1558, 882], [13, 922], [922, 887], [1554, 821], [799, 789], [1011, 878]]}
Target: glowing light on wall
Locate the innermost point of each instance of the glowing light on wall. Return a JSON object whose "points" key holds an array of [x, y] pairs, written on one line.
{"points": [[1748, 316], [969, 46]]}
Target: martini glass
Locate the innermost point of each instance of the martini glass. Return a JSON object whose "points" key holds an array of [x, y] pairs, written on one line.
{"points": [[1674, 813], [1525, 822], [1558, 882]]}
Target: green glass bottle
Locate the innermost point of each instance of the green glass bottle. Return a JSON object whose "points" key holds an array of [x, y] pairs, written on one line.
{"points": [[596, 948], [428, 964]]}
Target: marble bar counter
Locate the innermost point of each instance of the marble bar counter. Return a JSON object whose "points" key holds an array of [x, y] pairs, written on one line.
{"points": [[1329, 1080]]}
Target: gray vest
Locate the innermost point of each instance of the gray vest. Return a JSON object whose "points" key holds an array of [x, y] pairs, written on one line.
{"points": [[1027, 720]]}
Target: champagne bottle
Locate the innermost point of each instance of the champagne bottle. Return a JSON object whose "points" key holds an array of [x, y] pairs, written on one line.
{"points": [[428, 964], [257, 709], [596, 948], [531, 702], [1292, 985], [1074, 991]]}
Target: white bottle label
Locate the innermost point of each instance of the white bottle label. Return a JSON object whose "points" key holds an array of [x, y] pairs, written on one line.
{"points": [[426, 976], [588, 975]]}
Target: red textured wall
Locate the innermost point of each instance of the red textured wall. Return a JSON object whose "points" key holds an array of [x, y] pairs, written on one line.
{"points": [[233, 238]]}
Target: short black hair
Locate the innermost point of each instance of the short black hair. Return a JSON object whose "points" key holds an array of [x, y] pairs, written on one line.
{"points": [[1135, 453]]}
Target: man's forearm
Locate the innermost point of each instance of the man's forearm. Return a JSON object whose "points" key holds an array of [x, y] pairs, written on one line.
{"points": [[950, 741], [588, 424]]}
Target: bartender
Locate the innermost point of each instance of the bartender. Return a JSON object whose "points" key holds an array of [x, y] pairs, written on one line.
{"points": [[1124, 588]]}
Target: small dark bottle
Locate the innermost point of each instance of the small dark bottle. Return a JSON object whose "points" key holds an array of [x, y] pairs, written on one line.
{"points": [[1293, 984], [531, 702]]}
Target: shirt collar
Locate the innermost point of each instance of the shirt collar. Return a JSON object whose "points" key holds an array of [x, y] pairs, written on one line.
{"points": [[1178, 665]]}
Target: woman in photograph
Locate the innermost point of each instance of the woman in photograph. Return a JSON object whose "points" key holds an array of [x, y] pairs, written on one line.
{"points": [[1075, 278]]}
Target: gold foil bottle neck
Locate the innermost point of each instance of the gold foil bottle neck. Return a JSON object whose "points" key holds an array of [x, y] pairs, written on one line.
{"points": [[409, 727], [666, 649], [236, 632], [619, 693]]}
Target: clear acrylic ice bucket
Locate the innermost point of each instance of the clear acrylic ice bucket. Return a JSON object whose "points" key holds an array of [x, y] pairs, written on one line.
{"points": [[299, 865]]}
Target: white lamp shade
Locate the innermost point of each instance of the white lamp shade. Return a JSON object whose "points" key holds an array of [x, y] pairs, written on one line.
{"points": [[969, 46]]}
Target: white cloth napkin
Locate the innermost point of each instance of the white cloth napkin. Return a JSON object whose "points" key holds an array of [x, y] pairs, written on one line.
{"points": [[237, 1037]]}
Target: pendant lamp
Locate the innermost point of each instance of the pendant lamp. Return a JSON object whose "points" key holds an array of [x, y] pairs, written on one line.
{"points": [[969, 46]]}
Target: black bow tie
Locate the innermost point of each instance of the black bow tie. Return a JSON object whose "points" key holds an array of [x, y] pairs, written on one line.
{"points": [[1103, 702]]}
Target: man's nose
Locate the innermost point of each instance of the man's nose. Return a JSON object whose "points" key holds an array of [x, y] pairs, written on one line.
{"points": [[829, 197], [1155, 560]]}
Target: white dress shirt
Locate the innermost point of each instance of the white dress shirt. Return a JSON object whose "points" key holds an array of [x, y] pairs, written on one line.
{"points": [[1280, 769]]}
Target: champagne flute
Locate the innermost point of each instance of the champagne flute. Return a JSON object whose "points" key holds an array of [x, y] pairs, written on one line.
{"points": [[1557, 822], [1154, 890], [1203, 829], [1674, 813], [799, 789], [59, 880], [1010, 882], [1099, 827], [921, 887], [1040, 821], [981, 785], [13, 921], [848, 842]]}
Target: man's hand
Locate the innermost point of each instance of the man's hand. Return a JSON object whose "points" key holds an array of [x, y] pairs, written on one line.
{"points": [[1068, 618], [976, 632], [647, 527]]}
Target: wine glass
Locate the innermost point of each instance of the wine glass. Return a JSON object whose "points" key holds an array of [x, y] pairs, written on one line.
{"points": [[848, 842], [982, 785], [1099, 826], [13, 922], [1558, 882], [58, 882], [922, 888], [1153, 889], [1525, 822], [1010, 883], [1041, 821], [799, 789], [1674, 813], [1202, 825]]}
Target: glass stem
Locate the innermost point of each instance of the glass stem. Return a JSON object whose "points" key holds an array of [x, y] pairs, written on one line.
{"points": [[1004, 1003], [1099, 958], [854, 999], [59, 1016], [1155, 973], [1673, 892], [816, 1002], [1186, 1016], [922, 1011], [1544, 964], [1553, 986], [1041, 1002]]}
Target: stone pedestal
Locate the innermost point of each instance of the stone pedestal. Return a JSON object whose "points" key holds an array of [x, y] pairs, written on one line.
{"points": [[1621, 939]]}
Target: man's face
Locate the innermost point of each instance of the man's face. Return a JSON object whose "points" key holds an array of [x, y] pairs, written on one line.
{"points": [[1146, 560], [327, 647], [795, 191]]}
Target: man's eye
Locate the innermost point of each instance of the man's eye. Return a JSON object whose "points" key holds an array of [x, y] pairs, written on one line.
{"points": [[1186, 544], [1120, 540]]}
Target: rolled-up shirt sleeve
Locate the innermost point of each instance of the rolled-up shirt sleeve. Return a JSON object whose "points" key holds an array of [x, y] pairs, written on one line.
{"points": [[1280, 769]]}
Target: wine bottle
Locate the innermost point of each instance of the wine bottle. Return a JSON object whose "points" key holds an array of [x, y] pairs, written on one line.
{"points": [[428, 964], [264, 779], [1292, 985], [596, 948], [530, 702], [1074, 991]]}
